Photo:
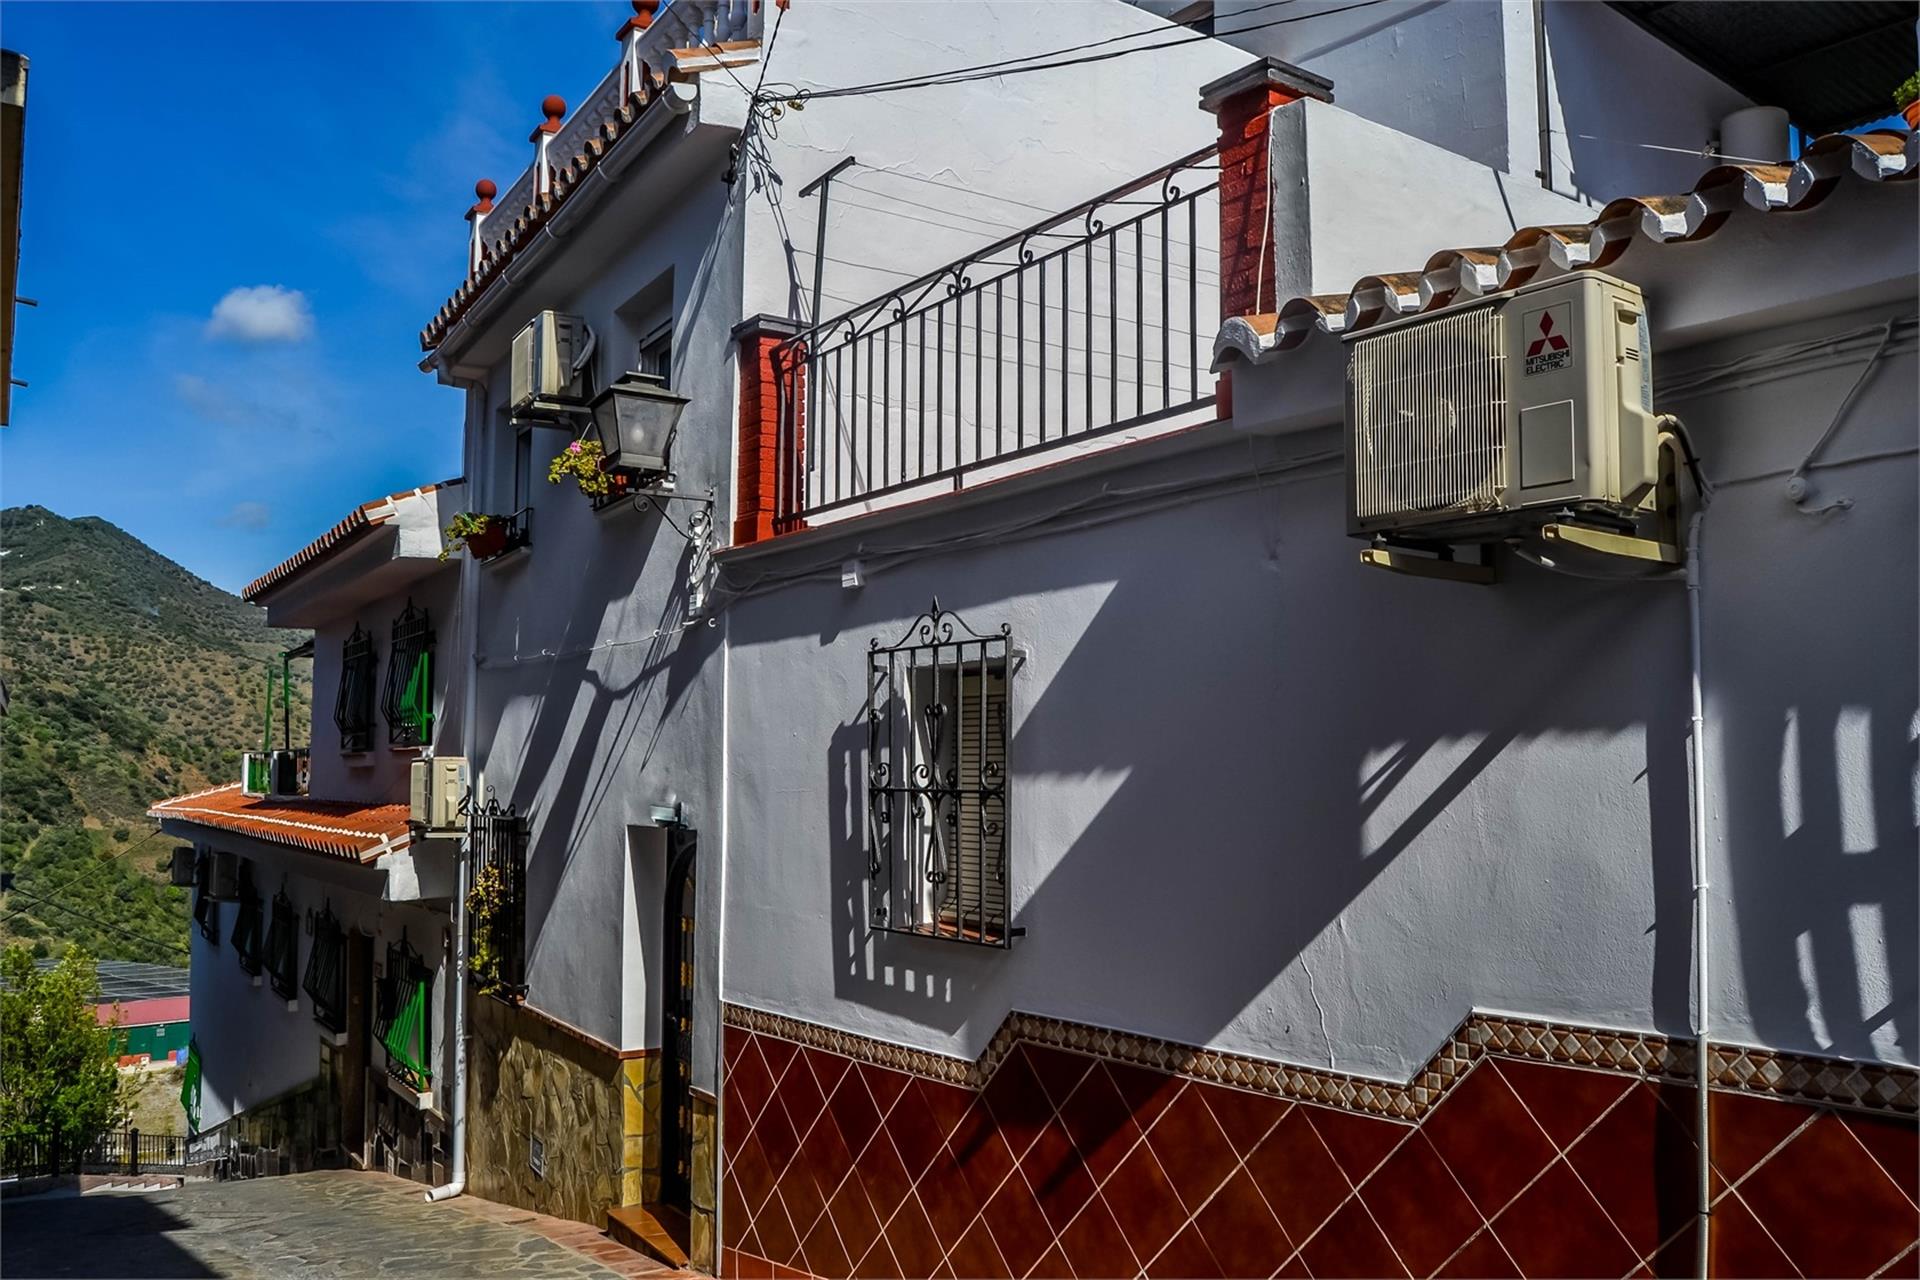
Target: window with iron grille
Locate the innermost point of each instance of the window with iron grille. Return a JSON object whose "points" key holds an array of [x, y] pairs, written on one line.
{"points": [[353, 705], [497, 901], [248, 923], [206, 912], [283, 947], [408, 698], [326, 980], [403, 1016], [937, 782]]}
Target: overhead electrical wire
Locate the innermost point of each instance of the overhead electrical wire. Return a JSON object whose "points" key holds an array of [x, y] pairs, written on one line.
{"points": [[128, 934]]}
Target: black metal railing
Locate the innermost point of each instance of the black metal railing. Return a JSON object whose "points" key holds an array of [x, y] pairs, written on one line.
{"points": [[326, 977], [497, 903], [407, 701], [516, 532], [353, 705], [283, 947], [1067, 331], [123, 1151]]}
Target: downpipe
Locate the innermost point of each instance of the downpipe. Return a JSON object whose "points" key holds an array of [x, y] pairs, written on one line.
{"points": [[1698, 747]]}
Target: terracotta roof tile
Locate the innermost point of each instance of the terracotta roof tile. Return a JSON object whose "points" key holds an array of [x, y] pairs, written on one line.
{"points": [[355, 832], [1457, 275], [367, 516]]}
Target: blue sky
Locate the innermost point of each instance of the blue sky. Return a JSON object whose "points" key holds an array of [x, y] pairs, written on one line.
{"points": [[179, 153]]}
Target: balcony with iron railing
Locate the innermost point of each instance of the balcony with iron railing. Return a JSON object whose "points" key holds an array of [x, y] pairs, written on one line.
{"points": [[1088, 329]]}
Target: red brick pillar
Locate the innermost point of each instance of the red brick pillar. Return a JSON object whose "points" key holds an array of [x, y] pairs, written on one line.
{"points": [[1243, 103], [771, 379]]}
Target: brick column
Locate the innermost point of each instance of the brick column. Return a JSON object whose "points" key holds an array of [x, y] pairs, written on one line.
{"points": [[1243, 102], [765, 466]]}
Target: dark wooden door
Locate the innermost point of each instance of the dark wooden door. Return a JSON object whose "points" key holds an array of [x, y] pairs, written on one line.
{"points": [[676, 1022], [351, 1074]]}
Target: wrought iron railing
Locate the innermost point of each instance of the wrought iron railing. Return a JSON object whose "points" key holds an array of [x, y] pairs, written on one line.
{"points": [[117, 1151], [1071, 330], [497, 905]]}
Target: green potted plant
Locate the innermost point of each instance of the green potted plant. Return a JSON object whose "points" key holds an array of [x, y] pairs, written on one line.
{"points": [[1907, 98], [485, 901], [583, 461], [483, 536]]}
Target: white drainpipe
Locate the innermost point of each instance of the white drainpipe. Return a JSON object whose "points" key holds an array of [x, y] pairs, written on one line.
{"points": [[1702, 1253]]}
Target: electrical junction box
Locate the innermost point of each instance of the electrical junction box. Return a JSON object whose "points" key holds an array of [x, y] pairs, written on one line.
{"points": [[1485, 420]]}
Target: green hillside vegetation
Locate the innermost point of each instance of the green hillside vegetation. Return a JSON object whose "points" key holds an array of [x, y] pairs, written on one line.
{"points": [[129, 680]]}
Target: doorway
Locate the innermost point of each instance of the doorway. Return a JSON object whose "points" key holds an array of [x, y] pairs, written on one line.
{"points": [[676, 1021]]}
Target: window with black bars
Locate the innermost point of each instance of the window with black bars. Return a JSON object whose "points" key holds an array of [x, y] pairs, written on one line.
{"points": [[403, 1016], [283, 947], [353, 705], [248, 923], [326, 980], [407, 700], [937, 782], [206, 912], [497, 903]]}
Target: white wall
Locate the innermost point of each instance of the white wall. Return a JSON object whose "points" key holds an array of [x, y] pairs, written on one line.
{"points": [[1269, 801]]}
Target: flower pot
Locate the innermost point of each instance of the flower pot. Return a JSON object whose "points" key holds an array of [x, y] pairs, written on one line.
{"points": [[488, 542], [1912, 112]]}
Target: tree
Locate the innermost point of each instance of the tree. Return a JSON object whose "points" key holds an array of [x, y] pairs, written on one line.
{"points": [[59, 1076]]}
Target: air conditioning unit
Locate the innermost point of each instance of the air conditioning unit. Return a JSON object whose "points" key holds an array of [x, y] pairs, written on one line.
{"points": [[1482, 421], [438, 786], [542, 381], [180, 870], [287, 773], [224, 883]]}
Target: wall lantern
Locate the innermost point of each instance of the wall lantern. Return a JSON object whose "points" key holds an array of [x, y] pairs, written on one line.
{"points": [[634, 420]]}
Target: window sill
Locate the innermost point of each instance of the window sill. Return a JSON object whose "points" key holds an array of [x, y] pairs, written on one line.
{"points": [[510, 554], [419, 1100]]}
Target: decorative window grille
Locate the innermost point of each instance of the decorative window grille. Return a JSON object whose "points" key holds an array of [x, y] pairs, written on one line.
{"points": [[937, 782], [326, 980], [353, 705], [283, 947], [206, 912], [248, 923], [497, 905], [403, 1016], [408, 698]]}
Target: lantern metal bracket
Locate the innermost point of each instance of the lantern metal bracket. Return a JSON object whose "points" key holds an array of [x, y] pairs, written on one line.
{"points": [[697, 533]]}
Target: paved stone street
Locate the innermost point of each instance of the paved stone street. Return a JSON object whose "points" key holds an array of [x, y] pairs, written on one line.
{"points": [[326, 1224]]}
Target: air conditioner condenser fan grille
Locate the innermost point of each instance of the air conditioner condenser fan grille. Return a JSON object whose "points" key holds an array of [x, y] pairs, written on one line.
{"points": [[1430, 411]]}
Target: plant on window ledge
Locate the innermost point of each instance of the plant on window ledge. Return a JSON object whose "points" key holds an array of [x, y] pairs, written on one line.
{"points": [[486, 903], [582, 460], [1907, 98], [483, 536]]}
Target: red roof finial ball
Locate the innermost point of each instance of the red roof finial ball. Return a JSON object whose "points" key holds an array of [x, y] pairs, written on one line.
{"points": [[644, 10], [485, 189], [553, 107]]}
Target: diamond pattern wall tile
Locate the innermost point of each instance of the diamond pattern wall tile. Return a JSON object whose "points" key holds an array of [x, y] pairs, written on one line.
{"points": [[1351, 1246], [1186, 1257], [1246, 1117], [1358, 1143], [1819, 1181], [1018, 1226], [1144, 1200], [910, 1235], [1557, 1228], [1297, 1175], [1894, 1145], [1488, 1137], [1742, 1249], [1640, 1163], [1482, 1258], [1095, 1245], [1241, 1231], [1191, 1148], [1100, 1123], [1562, 1101], [977, 1257], [1416, 1203], [1746, 1129]]}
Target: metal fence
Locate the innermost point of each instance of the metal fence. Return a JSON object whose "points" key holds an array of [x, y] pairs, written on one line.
{"points": [[1072, 329], [126, 1151]]}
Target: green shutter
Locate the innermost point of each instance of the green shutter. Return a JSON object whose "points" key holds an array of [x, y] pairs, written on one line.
{"points": [[190, 1087], [408, 1035], [417, 703]]}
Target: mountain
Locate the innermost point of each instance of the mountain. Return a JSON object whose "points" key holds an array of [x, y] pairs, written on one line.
{"points": [[129, 680]]}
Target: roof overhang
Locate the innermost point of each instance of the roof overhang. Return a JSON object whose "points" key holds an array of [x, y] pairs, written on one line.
{"points": [[379, 551]]}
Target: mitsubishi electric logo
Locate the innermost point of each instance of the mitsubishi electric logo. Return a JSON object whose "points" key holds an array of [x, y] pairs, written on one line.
{"points": [[1550, 349]]}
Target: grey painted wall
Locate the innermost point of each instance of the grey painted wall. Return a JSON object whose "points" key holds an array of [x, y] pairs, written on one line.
{"points": [[1266, 800]]}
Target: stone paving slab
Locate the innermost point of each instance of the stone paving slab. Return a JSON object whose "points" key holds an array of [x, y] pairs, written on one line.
{"points": [[309, 1226]]}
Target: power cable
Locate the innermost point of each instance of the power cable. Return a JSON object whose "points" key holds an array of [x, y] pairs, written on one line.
{"points": [[88, 873], [86, 919]]}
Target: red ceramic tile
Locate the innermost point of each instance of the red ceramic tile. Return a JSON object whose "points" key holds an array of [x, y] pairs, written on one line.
{"points": [[776, 1137], [747, 1086], [982, 1152], [853, 1217], [753, 1174], [1144, 1202], [822, 1251], [882, 1177], [915, 1131], [854, 1112], [976, 1257], [1244, 1116], [1186, 1258], [1556, 1228], [1146, 1092], [824, 1155], [878, 1263], [1019, 1227], [1488, 1138], [1904, 1267], [1095, 1245], [1821, 1180], [733, 1204], [778, 1053], [1481, 1259], [1641, 1165], [886, 1086], [1358, 1143], [1054, 1170], [752, 1266], [946, 1103], [750, 1248], [1241, 1231], [1059, 1071], [1100, 1123], [1564, 1101], [1294, 1268], [1018, 1102], [778, 1242], [1741, 1249], [947, 1198], [1416, 1203], [1746, 1128], [800, 1094], [828, 1068], [1052, 1266], [1350, 1246], [1191, 1147], [910, 1235], [803, 1196], [1895, 1144], [729, 1264], [1297, 1175]]}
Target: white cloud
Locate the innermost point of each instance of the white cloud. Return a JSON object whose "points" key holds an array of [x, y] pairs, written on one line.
{"points": [[262, 313], [247, 515]]}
